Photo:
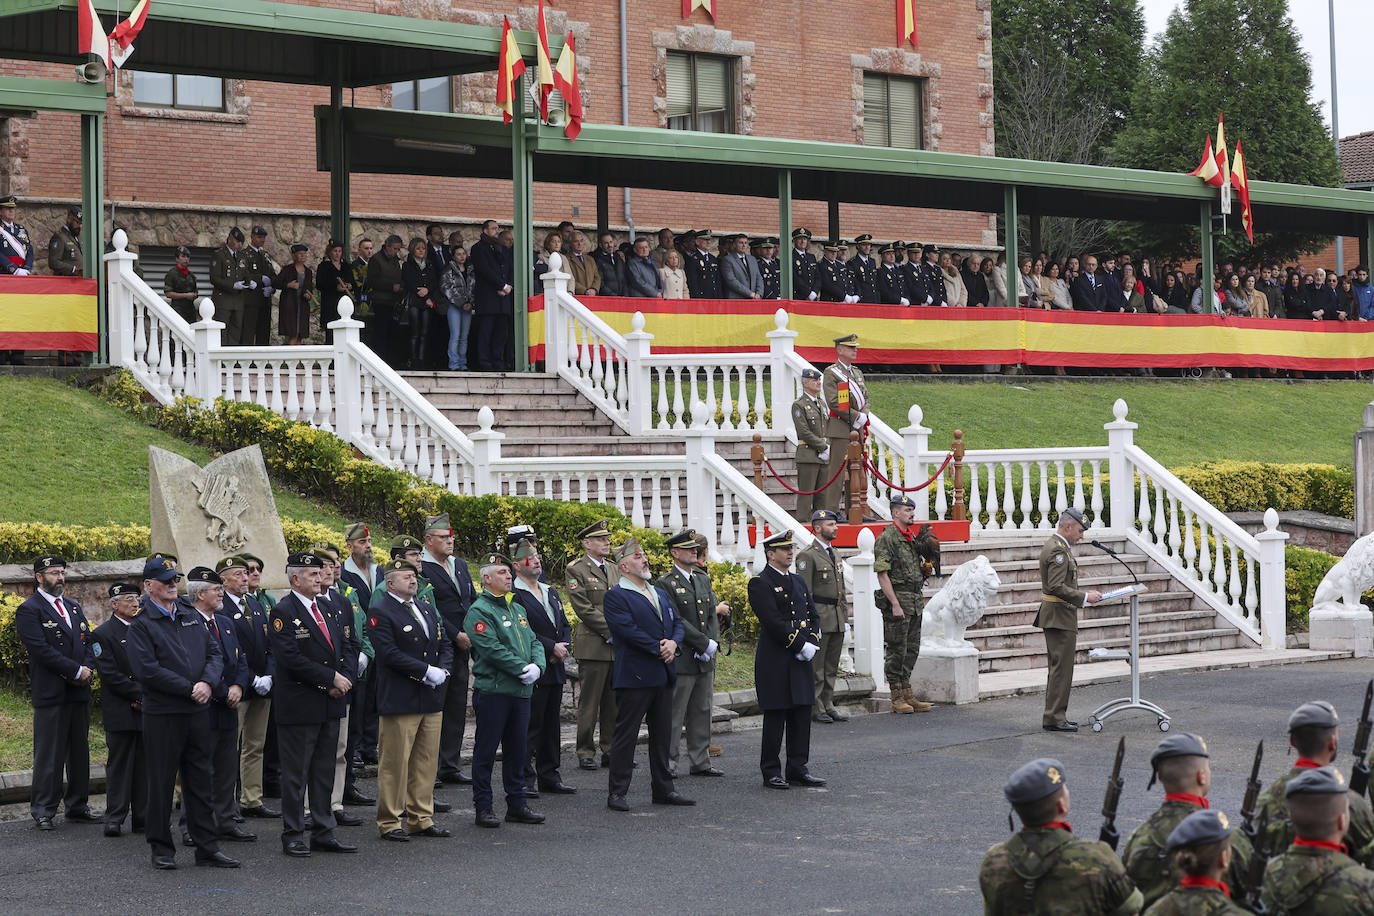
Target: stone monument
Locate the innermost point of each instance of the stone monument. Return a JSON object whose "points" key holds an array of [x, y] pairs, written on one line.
{"points": [[947, 669], [1364, 474], [1338, 620], [203, 514]]}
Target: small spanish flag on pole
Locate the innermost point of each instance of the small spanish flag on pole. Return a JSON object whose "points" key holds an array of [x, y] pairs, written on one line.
{"points": [[509, 68], [906, 23], [1222, 162], [544, 66], [1241, 182], [565, 79], [1207, 169]]}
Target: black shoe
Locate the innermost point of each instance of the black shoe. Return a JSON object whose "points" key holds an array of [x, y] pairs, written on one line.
{"points": [[237, 818], [776, 782], [557, 788], [431, 830], [806, 779], [617, 803], [396, 836], [344, 819], [238, 835], [112, 830], [823, 718], [524, 816], [166, 863], [44, 823], [438, 783], [332, 845], [674, 798], [455, 777], [218, 860], [260, 811], [442, 807], [487, 819], [1061, 727], [355, 762], [83, 816], [586, 763], [709, 771], [187, 841], [308, 822], [297, 849], [354, 797], [837, 716]]}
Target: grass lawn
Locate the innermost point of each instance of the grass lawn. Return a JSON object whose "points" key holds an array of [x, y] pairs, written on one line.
{"points": [[1180, 422], [736, 670], [16, 732], [72, 459]]}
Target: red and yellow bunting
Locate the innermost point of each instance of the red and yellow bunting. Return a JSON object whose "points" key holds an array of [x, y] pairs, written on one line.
{"points": [[906, 23], [708, 5], [48, 313]]}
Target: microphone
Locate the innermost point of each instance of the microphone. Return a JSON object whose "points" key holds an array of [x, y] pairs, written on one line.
{"points": [[1103, 547], [1114, 555]]}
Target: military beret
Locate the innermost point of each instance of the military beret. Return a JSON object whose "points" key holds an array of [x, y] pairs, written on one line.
{"points": [[251, 558], [356, 532], [780, 541], [236, 234], [825, 515], [161, 569], [801, 232], [204, 574], [161, 555], [1034, 781], [1198, 828], [119, 589], [234, 562], [864, 239], [597, 529], [625, 551], [10, 201], [48, 561], [405, 545], [323, 555], [325, 546], [901, 499], [75, 211], [524, 550], [183, 250], [1319, 781], [306, 559], [848, 340], [811, 373], [686, 538], [299, 247], [1314, 712], [258, 230], [1074, 513], [401, 564], [1183, 744], [494, 559], [439, 524]]}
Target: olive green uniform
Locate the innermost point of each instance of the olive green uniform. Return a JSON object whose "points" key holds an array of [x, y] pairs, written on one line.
{"points": [[587, 584], [177, 282], [695, 600], [1307, 881], [1194, 901], [1060, 600], [843, 419], [227, 268], [257, 303], [64, 253], [1045, 870], [809, 416], [1359, 836], [895, 554], [1151, 867], [819, 567]]}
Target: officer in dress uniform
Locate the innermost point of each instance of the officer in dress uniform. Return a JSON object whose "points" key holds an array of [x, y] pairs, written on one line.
{"points": [[784, 678], [230, 278], [1060, 600], [805, 282], [180, 286], [702, 267], [549, 623], [121, 705], [16, 257], [64, 248], [257, 306], [832, 280], [1317, 874], [1201, 849], [588, 578], [411, 549], [846, 398], [762, 249], [912, 287], [897, 563], [253, 630], [689, 588], [809, 417], [822, 573], [890, 278], [344, 600], [1044, 867], [930, 280], [863, 270]]}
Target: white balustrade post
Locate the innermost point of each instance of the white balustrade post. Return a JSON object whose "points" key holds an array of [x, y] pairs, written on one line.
{"points": [[348, 381], [1120, 437], [486, 454], [205, 335], [1272, 585], [868, 623], [637, 344], [782, 383], [119, 264], [915, 441], [701, 488], [555, 288]]}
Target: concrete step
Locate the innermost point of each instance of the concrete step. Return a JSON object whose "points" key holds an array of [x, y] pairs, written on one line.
{"points": [[1013, 571], [1012, 593], [472, 382], [1094, 630], [1207, 640], [538, 446], [1023, 613], [551, 401]]}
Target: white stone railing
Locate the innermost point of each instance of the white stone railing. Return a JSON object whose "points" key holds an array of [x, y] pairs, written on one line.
{"points": [[147, 336]]}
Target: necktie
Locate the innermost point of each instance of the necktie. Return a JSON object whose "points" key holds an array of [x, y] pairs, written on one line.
{"points": [[63, 611], [320, 622], [213, 629], [415, 612], [839, 575]]}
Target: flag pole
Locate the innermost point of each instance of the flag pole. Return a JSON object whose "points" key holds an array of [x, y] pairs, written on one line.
{"points": [[1335, 121]]}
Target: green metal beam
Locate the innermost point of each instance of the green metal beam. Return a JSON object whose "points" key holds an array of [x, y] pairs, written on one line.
{"points": [[522, 172], [18, 93], [785, 231], [1205, 244], [1013, 252], [92, 226]]}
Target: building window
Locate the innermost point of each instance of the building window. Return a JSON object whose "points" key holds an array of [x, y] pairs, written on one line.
{"points": [[700, 93], [433, 94], [893, 111], [168, 90]]}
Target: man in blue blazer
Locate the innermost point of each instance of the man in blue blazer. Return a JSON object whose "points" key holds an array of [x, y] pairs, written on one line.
{"points": [[647, 633], [61, 663], [453, 595], [548, 620], [121, 706]]}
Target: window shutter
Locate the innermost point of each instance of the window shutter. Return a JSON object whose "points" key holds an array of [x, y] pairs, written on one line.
{"points": [[904, 113], [875, 110], [679, 74], [713, 84]]}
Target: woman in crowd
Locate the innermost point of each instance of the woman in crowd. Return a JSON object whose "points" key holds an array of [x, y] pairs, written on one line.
{"points": [[1256, 301], [1296, 297], [974, 282], [673, 276], [996, 276], [297, 285], [956, 294], [1027, 289], [1346, 306], [1134, 291], [552, 242], [334, 280], [1196, 306], [1174, 294], [1148, 279], [456, 283], [1233, 299], [1059, 288], [422, 298]]}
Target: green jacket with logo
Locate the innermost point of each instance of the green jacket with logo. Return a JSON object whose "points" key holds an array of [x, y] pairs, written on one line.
{"points": [[502, 645]]}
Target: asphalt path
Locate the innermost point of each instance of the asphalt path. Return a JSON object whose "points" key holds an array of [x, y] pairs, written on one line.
{"points": [[912, 806]]}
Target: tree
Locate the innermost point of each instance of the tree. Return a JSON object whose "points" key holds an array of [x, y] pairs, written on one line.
{"points": [[1241, 58]]}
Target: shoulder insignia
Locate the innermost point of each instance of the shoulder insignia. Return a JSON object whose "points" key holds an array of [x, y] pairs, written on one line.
{"points": [[348, 632], [1059, 558], [83, 625], [277, 624], [797, 411], [239, 615], [524, 622], [572, 583], [95, 650], [407, 628], [801, 566], [480, 627]]}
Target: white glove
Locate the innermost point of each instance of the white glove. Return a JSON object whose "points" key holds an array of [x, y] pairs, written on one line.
{"points": [[21, 272], [851, 299], [240, 284], [362, 663], [267, 291], [814, 296], [824, 455], [711, 647], [807, 650], [929, 300], [252, 284], [435, 676], [859, 420], [263, 685], [530, 674], [905, 301], [265, 281]]}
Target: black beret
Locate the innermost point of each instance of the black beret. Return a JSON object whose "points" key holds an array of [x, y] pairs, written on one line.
{"points": [[204, 574], [305, 558], [236, 234], [299, 247], [258, 230], [901, 499], [183, 250], [825, 515], [75, 211], [1034, 781], [124, 588], [811, 373], [48, 561], [1320, 781], [1198, 828]]}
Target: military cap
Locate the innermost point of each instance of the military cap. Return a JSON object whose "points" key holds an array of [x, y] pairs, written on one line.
{"points": [[75, 211], [801, 232], [236, 234], [404, 545], [892, 248], [10, 201], [524, 550], [848, 340], [780, 541], [438, 524], [119, 589], [161, 569], [688, 236], [204, 574], [1074, 513], [928, 248], [253, 558], [825, 515], [835, 246], [703, 233], [811, 373], [324, 555], [183, 250], [162, 555], [757, 242], [1319, 781], [625, 551], [1036, 780], [306, 559], [259, 230], [864, 239], [597, 529], [686, 538], [400, 564], [356, 532], [1314, 712], [517, 533], [901, 499], [48, 561], [1183, 744], [299, 247], [1198, 828], [494, 559], [771, 241], [234, 562], [915, 246]]}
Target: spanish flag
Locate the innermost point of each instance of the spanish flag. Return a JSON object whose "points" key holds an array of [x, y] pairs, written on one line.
{"points": [[1207, 169], [509, 68], [708, 5], [1241, 182], [1222, 164], [565, 80], [90, 34], [906, 23], [125, 33], [544, 66]]}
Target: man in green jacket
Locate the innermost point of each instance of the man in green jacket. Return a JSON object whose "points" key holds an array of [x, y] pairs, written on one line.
{"points": [[506, 661]]}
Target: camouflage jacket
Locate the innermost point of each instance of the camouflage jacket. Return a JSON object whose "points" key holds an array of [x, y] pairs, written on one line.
{"points": [[1194, 901], [1152, 868], [1359, 836], [1306, 881], [1050, 872], [897, 556]]}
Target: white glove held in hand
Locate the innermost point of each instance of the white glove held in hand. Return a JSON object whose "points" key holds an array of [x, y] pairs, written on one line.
{"points": [[530, 674], [711, 647], [262, 685], [814, 296], [240, 284], [807, 651], [21, 272], [905, 301], [362, 664], [824, 455], [435, 676]]}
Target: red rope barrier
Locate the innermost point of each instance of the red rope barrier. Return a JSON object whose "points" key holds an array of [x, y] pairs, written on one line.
{"points": [[868, 464], [791, 489]]}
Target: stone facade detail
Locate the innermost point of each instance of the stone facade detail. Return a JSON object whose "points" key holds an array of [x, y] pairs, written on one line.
{"points": [[705, 39], [14, 149]]}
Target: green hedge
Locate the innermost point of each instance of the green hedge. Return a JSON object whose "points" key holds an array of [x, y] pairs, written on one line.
{"points": [[1253, 486]]}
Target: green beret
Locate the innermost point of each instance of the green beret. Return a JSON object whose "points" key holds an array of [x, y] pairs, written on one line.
{"points": [[404, 545], [400, 564], [234, 562], [625, 551], [493, 559], [356, 532]]}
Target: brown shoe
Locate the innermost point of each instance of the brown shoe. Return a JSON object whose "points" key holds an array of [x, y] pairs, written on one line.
{"points": [[899, 701], [918, 705]]}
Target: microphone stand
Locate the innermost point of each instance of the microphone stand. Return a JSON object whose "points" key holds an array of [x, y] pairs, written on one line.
{"points": [[1117, 557], [1111, 708]]}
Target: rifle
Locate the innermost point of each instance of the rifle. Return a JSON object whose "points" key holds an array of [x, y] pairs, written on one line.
{"points": [[1109, 834], [1359, 773], [1259, 859], [1252, 791]]}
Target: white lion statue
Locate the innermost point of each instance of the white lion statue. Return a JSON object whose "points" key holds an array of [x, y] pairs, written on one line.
{"points": [[960, 604], [1352, 576]]}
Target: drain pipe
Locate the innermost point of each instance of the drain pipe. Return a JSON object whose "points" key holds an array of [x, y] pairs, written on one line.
{"points": [[625, 106]]}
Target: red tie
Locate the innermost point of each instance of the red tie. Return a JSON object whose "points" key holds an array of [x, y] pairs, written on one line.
{"points": [[320, 621], [63, 611], [213, 629]]}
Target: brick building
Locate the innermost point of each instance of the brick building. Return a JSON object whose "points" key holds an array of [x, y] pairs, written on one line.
{"points": [[187, 157]]}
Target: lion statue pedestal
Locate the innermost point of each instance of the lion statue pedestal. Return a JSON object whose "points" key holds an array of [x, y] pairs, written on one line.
{"points": [[1338, 619], [947, 670]]}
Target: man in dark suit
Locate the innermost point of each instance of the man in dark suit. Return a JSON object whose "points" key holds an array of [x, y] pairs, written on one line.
{"points": [[412, 656], [250, 623], [61, 662], [316, 667], [783, 674], [361, 573], [739, 271], [702, 267], [342, 600], [453, 595], [121, 706], [1087, 290], [492, 291], [610, 266], [647, 632], [804, 278], [549, 623], [178, 662], [438, 252]]}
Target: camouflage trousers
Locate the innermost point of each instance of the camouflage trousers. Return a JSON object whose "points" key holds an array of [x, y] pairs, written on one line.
{"points": [[901, 638]]}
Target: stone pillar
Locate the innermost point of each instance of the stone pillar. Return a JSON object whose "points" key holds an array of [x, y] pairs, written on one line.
{"points": [[946, 675], [1364, 474]]}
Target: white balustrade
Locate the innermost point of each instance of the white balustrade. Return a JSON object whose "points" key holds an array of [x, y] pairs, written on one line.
{"points": [[147, 336]]}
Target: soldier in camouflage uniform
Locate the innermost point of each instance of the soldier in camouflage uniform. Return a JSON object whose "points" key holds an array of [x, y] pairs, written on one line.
{"points": [[898, 565], [1182, 764], [64, 248], [1315, 877], [1044, 868], [1200, 848], [1312, 731]]}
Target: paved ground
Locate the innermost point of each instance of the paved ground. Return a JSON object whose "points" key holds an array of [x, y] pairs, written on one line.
{"points": [[912, 805]]}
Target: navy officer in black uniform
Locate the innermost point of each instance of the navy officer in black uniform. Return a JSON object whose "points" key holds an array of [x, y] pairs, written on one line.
{"points": [[784, 677], [832, 280], [121, 706], [702, 267], [805, 282], [863, 270]]}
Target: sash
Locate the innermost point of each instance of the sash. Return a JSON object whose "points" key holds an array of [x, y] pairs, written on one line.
{"points": [[850, 395], [22, 258]]}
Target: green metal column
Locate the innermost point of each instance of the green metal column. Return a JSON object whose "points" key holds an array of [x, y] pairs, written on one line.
{"points": [[1013, 254], [522, 179], [340, 195], [93, 226], [832, 218], [1205, 244], [603, 213], [1366, 233], [785, 231]]}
